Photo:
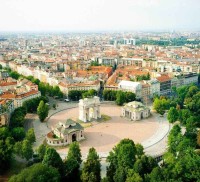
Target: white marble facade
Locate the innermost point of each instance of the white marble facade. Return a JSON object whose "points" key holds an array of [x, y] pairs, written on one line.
{"points": [[135, 111], [89, 108]]}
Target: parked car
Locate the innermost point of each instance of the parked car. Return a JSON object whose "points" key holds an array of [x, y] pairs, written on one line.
{"points": [[66, 100]]}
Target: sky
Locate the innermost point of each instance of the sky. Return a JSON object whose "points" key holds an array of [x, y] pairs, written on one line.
{"points": [[99, 15]]}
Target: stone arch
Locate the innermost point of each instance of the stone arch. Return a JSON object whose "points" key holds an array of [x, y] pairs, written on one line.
{"points": [[142, 115], [74, 137], [89, 108]]}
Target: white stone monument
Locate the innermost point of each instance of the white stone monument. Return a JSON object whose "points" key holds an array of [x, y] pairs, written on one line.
{"points": [[89, 108]]}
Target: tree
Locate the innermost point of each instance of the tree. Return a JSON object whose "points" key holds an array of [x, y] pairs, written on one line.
{"points": [[192, 91], [160, 105], [32, 104], [91, 168], [184, 167], [24, 149], [73, 162], [120, 160], [18, 133], [144, 165], [74, 152], [57, 92], [4, 133], [172, 115], [121, 98], [1, 67], [120, 174], [42, 111], [198, 138], [37, 172], [30, 135], [6, 153], [17, 119], [181, 92], [184, 114], [94, 63], [41, 151], [89, 93], [27, 151], [130, 96], [14, 75], [194, 104], [75, 94], [52, 158], [139, 150], [18, 149], [174, 138], [156, 175], [133, 176], [42, 88]]}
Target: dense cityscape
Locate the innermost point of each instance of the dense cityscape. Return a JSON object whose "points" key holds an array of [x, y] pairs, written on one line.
{"points": [[100, 91], [159, 70]]}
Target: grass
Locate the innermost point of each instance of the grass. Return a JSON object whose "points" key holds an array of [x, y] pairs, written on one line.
{"points": [[84, 124], [103, 118]]}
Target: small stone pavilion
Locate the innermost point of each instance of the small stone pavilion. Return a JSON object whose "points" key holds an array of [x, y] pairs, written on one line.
{"points": [[65, 133], [135, 111]]}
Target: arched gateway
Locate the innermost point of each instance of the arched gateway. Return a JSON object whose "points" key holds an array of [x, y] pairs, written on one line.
{"points": [[89, 108]]}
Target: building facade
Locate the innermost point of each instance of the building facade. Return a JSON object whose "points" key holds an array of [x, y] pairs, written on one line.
{"points": [[6, 109], [65, 133], [135, 111]]}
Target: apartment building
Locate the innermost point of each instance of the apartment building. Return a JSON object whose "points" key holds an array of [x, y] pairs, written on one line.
{"points": [[154, 87], [130, 86], [20, 98], [6, 109], [66, 87], [165, 84], [7, 84]]}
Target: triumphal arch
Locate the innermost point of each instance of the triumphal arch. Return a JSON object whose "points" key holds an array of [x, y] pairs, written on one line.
{"points": [[89, 108]]}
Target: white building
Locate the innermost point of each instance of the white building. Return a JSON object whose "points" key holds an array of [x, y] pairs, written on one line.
{"points": [[110, 61], [129, 41], [135, 111], [190, 78], [65, 133], [154, 87], [130, 86]]}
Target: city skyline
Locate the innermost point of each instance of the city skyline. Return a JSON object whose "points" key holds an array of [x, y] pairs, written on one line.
{"points": [[99, 15]]}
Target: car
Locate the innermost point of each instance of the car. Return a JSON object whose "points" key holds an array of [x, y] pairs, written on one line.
{"points": [[66, 100]]}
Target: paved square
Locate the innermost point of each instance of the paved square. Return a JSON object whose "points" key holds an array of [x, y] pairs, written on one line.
{"points": [[105, 135]]}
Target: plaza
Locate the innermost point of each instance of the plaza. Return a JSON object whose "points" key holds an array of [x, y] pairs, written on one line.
{"points": [[105, 135]]}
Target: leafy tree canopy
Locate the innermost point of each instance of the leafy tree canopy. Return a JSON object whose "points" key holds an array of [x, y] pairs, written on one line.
{"points": [[37, 172]]}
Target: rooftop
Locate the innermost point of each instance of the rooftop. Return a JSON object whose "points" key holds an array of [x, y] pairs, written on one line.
{"points": [[68, 126]]}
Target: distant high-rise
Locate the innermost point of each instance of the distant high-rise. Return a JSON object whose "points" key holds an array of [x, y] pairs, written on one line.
{"points": [[123, 41], [128, 41]]}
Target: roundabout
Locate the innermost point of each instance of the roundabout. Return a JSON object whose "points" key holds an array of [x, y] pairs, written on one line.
{"points": [[105, 135]]}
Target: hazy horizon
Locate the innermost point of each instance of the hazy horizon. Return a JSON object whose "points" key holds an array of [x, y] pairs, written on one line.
{"points": [[99, 15]]}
